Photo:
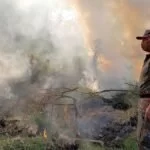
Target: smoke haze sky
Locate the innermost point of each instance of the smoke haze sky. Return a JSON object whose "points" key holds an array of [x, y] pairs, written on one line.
{"points": [[102, 33]]}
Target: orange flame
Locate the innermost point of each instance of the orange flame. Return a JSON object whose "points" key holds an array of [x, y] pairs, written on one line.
{"points": [[45, 134], [105, 64], [132, 22]]}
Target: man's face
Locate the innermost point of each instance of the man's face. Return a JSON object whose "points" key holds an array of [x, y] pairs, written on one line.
{"points": [[145, 44]]}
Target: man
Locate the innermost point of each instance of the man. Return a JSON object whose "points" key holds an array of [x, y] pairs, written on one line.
{"points": [[143, 129]]}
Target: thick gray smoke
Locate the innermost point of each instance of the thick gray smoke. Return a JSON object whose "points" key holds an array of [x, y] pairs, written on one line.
{"points": [[41, 47], [55, 43], [47, 30]]}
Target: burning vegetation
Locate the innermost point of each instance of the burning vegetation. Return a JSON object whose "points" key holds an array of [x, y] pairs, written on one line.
{"points": [[63, 121], [63, 68]]}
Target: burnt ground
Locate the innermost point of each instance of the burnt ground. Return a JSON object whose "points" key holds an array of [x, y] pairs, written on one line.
{"points": [[97, 122]]}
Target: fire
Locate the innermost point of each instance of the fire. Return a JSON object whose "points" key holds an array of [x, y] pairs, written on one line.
{"points": [[90, 53], [132, 21], [45, 134], [82, 18], [122, 14], [104, 63], [94, 86], [138, 68]]}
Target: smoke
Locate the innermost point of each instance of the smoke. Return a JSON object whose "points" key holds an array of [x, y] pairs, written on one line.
{"points": [[69, 43], [38, 28], [114, 25], [41, 47]]}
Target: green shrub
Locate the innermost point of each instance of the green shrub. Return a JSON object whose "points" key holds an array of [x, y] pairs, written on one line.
{"points": [[130, 144], [22, 144]]}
